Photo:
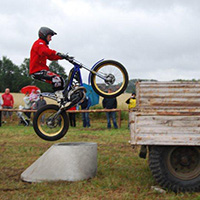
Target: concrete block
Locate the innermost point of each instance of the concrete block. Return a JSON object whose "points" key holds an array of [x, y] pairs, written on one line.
{"points": [[64, 162]]}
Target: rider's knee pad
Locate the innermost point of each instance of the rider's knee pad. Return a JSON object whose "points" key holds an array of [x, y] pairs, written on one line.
{"points": [[58, 83]]}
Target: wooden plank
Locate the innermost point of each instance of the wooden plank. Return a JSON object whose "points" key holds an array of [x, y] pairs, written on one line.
{"points": [[167, 95], [187, 140], [167, 124], [168, 113], [168, 130], [132, 125], [70, 111], [168, 121], [161, 94], [158, 118], [171, 111], [177, 84], [169, 90], [174, 131], [168, 102]]}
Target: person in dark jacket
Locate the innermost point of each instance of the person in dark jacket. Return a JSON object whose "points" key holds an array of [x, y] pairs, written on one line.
{"points": [[39, 104], [85, 105], [110, 103]]}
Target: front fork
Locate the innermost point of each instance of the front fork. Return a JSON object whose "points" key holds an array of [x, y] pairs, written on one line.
{"points": [[93, 72]]}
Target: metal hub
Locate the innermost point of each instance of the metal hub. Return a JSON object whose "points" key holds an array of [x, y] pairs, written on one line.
{"points": [[110, 79], [183, 162], [51, 123]]}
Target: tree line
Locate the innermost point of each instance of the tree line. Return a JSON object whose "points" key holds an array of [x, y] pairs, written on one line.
{"points": [[16, 77]]}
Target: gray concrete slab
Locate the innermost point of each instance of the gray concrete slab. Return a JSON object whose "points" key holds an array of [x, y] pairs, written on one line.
{"points": [[64, 162]]}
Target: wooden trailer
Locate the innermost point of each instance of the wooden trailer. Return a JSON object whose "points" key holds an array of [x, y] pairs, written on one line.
{"points": [[166, 123]]}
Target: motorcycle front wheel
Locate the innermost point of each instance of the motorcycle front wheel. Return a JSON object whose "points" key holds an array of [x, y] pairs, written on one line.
{"points": [[48, 126], [110, 79]]}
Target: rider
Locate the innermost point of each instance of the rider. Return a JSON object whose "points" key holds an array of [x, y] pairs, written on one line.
{"points": [[39, 54]]}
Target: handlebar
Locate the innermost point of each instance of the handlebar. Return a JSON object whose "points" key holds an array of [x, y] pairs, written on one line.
{"points": [[71, 60], [66, 57]]}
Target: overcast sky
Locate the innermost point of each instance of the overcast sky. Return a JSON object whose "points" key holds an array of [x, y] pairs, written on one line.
{"points": [[153, 39]]}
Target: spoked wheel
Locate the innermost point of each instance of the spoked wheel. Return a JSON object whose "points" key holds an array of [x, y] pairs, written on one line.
{"points": [[48, 126], [111, 79], [176, 168]]}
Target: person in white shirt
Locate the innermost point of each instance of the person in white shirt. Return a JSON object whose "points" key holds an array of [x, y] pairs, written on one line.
{"points": [[1, 102], [27, 105]]}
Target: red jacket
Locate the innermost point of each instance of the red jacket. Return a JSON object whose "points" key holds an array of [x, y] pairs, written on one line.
{"points": [[7, 100], [73, 108], [40, 52]]}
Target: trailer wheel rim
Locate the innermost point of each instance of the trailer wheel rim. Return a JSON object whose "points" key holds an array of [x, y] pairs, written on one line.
{"points": [[184, 162]]}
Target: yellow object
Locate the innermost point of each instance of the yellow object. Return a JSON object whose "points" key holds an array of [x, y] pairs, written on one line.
{"points": [[132, 103]]}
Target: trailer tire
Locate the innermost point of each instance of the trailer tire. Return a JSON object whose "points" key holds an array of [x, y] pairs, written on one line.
{"points": [[176, 168]]}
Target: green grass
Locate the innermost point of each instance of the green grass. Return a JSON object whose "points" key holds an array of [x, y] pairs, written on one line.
{"points": [[121, 173]]}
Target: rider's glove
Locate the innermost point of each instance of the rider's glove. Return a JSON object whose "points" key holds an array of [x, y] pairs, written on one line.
{"points": [[65, 56], [70, 58], [62, 55]]}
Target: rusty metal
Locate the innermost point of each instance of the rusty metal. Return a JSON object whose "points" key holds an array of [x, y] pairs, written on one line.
{"points": [[167, 113]]}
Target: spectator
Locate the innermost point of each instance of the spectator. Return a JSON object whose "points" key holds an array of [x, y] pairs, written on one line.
{"points": [[85, 105], [110, 103], [33, 99], [40, 103], [72, 117], [131, 101], [27, 105], [1, 102], [8, 102]]}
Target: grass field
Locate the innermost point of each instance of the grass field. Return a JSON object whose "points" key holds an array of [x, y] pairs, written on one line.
{"points": [[121, 173]]}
